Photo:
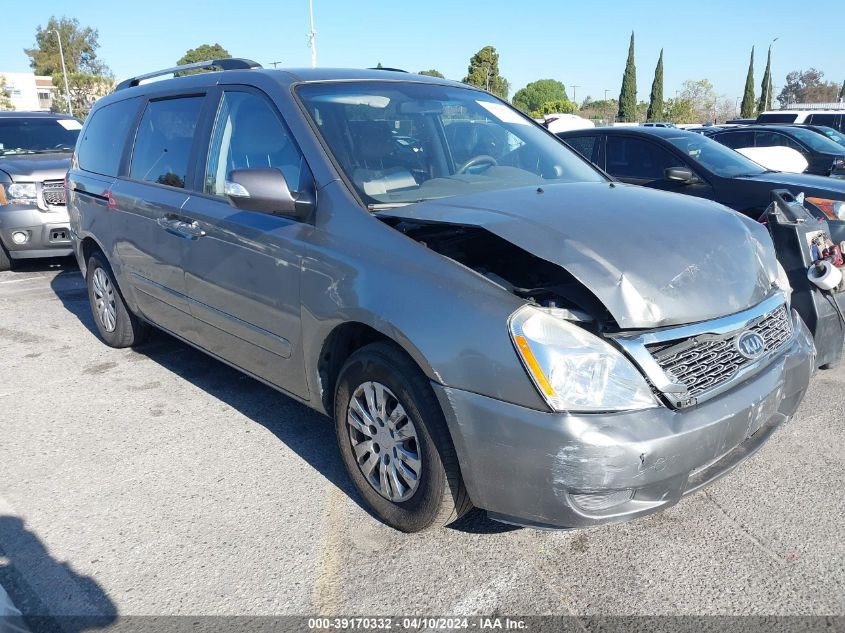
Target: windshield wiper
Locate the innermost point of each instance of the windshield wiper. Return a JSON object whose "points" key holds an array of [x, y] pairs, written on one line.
{"points": [[53, 150], [383, 206]]}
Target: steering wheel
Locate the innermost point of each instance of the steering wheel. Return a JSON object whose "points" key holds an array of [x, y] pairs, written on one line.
{"points": [[481, 159]]}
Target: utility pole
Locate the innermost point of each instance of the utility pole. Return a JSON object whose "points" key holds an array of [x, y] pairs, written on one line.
{"points": [[274, 64], [574, 100], [312, 36], [64, 72]]}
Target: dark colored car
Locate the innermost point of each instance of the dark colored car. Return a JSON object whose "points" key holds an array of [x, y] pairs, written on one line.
{"points": [[35, 150], [693, 164], [474, 305], [824, 156]]}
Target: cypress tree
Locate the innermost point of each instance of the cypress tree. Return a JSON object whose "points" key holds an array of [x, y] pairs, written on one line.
{"points": [[747, 109], [842, 92], [655, 103], [765, 102], [628, 94]]}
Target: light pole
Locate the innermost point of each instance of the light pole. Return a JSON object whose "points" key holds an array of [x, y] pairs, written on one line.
{"points": [[606, 90], [312, 36], [64, 71], [770, 87]]}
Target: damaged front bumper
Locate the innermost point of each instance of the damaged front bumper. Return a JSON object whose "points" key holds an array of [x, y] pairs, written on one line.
{"points": [[556, 470]]}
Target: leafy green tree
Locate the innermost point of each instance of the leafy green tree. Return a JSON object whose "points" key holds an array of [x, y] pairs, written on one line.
{"points": [[628, 94], [680, 111], [432, 73], [765, 102], [483, 72], [88, 77], [746, 110], [655, 102], [601, 109], [202, 53], [558, 106], [808, 86], [535, 94], [5, 102], [701, 98]]}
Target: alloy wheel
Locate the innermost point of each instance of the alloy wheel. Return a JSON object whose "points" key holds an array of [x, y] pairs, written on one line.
{"points": [[104, 300]]}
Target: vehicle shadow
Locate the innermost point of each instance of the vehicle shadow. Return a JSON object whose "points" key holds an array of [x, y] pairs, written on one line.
{"points": [[310, 434], [302, 429], [45, 265], [76, 603]]}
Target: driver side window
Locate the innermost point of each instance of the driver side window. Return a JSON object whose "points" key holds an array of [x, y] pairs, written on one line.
{"points": [[248, 133]]}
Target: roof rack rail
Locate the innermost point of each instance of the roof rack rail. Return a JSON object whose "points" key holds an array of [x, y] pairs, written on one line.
{"points": [[395, 70], [231, 63]]}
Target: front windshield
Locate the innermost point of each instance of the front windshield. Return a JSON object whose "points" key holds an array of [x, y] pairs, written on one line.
{"points": [[832, 134], [403, 142], [714, 156], [21, 135], [816, 141]]}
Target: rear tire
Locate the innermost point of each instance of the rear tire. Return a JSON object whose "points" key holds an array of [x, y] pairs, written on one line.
{"points": [[6, 262], [117, 326], [404, 429]]}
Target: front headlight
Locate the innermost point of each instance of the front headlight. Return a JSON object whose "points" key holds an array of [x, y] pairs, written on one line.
{"points": [[574, 370], [18, 193], [833, 209]]}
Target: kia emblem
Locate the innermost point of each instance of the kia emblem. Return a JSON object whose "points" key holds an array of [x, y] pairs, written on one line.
{"points": [[751, 345]]}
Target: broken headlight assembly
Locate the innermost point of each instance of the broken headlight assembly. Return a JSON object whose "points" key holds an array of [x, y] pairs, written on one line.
{"points": [[574, 370]]}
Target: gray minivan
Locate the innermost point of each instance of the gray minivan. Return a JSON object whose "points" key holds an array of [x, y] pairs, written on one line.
{"points": [[488, 319]]}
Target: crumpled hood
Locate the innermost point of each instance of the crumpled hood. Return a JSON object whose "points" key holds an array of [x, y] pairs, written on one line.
{"points": [[31, 167], [652, 258]]}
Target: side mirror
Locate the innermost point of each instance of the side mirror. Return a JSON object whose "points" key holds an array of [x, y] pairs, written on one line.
{"points": [[680, 174], [265, 189]]}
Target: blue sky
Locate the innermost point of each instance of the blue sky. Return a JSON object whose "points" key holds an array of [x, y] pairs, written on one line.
{"points": [[579, 43]]}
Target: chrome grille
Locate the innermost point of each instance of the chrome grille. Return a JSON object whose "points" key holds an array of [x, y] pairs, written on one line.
{"points": [[704, 362], [54, 193]]}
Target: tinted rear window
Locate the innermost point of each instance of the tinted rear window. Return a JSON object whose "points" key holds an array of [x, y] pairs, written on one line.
{"points": [[102, 143], [777, 118], [584, 145], [164, 139], [830, 120], [736, 140]]}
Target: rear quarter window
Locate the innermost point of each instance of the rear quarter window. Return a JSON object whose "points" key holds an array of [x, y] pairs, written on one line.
{"points": [[101, 146]]}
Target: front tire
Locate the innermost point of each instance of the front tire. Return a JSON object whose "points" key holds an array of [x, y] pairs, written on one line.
{"points": [[6, 262], [394, 441], [117, 326]]}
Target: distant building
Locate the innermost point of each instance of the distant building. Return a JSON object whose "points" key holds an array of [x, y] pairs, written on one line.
{"points": [[28, 91]]}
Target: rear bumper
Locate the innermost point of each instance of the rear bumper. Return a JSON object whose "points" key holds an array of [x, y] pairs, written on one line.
{"points": [[555, 470], [47, 232]]}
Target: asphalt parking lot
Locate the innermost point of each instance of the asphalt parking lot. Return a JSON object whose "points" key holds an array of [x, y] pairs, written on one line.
{"points": [[159, 481]]}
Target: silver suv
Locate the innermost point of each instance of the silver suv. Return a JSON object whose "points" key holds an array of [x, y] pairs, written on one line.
{"points": [[487, 318], [35, 149]]}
